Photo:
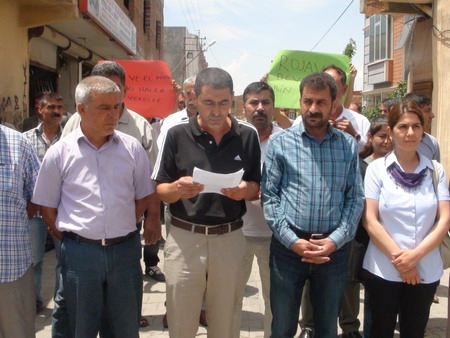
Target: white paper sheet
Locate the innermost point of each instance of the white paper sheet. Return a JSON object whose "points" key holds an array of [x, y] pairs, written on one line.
{"points": [[214, 182]]}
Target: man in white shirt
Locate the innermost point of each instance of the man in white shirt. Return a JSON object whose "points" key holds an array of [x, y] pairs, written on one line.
{"points": [[186, 113], [259, 99]]}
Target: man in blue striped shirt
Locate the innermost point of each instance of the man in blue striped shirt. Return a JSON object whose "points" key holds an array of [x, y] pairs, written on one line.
{"points": [[313, 199]]}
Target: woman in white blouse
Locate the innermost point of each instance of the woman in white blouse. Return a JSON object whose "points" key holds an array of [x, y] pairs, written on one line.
{"points": [[406, 220]]}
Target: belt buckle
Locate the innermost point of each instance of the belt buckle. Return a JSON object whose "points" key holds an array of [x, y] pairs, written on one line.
{"points": [[104, 242]]}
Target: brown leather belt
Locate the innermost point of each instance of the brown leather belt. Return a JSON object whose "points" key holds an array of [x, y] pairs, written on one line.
{"points": [[219, 229], [103, 242]]}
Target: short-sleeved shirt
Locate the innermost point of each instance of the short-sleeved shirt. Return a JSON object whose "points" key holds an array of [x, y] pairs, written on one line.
{"points": [[255, 224], [407, 214], [169, 122], [187, 146], [94, 189], [19, 168]]}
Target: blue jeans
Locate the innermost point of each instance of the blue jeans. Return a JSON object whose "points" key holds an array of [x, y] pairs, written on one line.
{"points": [[102, 282], [37, 230], [288, 275]]}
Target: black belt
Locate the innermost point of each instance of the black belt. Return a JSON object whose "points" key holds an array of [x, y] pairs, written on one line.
{"points": [[306, 235], [219, 229], [103, 241]]}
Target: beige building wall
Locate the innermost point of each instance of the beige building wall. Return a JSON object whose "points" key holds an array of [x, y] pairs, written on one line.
{"points": [[14, 65]]}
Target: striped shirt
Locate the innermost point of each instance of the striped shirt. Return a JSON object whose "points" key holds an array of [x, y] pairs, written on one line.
{"points": [[312, 186], [19, 168]]}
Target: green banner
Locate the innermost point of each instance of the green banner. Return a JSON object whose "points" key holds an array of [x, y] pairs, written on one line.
{"points": [[289, 67]]}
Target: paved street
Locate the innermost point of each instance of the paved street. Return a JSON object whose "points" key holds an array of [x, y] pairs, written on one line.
{"points": [[252, 321]]}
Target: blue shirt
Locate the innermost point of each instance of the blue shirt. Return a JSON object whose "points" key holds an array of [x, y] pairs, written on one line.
{"points": [[19, 168], [94, 189], [312, 186]]}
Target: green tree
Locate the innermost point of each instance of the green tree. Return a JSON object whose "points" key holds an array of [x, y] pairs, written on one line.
{"points": [[398, 93], [350, 49]]}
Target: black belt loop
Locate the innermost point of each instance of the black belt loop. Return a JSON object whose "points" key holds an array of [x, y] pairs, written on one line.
{"points": [[207, 230], [103, 242]]}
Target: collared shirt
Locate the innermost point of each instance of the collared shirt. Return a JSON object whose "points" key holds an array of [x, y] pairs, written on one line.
{"points": [[359, 122], [312, 186], [39, 141], [130, 123], [187, 146], [407, 215], [94, 189], [169, 122], [255, 224], [19, 168], [429, 147]]}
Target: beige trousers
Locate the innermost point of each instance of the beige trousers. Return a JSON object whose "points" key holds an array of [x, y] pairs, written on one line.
{"points": [[197, 265], [18, 307], [258, 247]]}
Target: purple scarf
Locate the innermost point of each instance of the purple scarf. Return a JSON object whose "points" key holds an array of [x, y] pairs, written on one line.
{"points": [[408, 180]]}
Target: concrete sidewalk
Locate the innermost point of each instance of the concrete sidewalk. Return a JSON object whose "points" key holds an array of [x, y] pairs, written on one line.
{"points": [[252, 318]]}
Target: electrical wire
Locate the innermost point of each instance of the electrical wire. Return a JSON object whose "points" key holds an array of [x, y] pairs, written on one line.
{"points": [[334, 23]]}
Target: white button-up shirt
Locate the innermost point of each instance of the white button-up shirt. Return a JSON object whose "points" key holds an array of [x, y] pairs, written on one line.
{"points": [[407, 214]]}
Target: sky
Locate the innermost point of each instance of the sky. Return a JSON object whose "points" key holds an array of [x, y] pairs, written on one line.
{"points": [[248, 33]]}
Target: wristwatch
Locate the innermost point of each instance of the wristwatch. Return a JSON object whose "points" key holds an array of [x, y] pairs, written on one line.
{"points": [[357, 137]]}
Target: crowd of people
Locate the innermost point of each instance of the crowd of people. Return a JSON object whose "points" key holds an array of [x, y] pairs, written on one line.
{"points": [[325, 204]]}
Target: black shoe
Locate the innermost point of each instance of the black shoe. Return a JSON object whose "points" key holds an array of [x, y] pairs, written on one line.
{"points": [[202, 320], [164, 320], [353, 334], [39, 307], [306, 333], [155, 273]]}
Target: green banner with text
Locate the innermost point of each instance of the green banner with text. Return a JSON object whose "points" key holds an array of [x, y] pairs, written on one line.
{"points": [[289, 67]]}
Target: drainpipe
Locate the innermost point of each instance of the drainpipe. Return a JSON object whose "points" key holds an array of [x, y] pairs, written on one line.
{"points": [[65, 44]]}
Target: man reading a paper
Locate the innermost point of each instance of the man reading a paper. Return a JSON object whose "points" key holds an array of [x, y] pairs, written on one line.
{"points": [[205, 244]]}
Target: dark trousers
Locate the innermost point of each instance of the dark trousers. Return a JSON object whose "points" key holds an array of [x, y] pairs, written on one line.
{"points": [[151, 255], [410, 302]]}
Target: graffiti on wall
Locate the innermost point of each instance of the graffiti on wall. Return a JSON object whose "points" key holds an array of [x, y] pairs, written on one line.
{"points": [[10, 110]]}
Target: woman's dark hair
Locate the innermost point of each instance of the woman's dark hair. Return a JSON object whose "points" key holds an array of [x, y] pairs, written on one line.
{"points": [[398, 110], [375, 126]]}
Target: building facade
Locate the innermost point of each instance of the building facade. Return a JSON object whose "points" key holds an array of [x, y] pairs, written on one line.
{"points": [[184, 52], [420, 56], [50, 45]]}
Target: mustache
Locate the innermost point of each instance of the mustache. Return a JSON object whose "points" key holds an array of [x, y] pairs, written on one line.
{"points": [[315, 115], [55, 115], [260, 114]]}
